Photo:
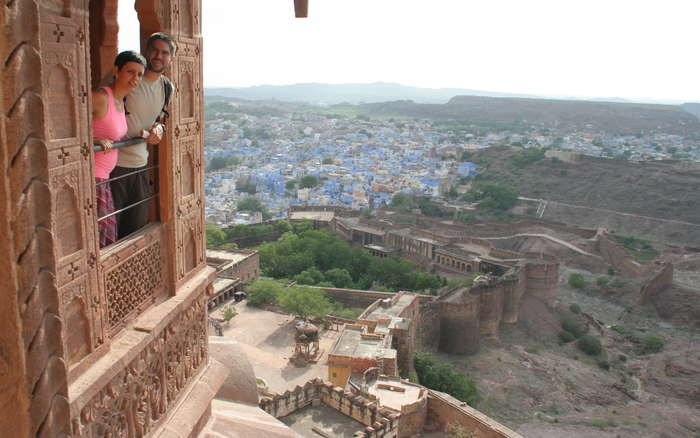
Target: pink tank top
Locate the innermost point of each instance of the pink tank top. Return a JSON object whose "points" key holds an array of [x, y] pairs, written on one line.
{"points": [[111, 127]]}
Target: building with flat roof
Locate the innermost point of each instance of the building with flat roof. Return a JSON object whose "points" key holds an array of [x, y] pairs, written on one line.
{"points": [[234, 269], [355, 351]]}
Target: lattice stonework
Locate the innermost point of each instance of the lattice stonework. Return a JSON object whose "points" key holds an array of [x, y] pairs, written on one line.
{"points": [[134, 402], [131, 286]]}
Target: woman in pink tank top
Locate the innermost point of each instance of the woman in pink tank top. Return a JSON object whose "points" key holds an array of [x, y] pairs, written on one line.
{"points": [[108, 126]]}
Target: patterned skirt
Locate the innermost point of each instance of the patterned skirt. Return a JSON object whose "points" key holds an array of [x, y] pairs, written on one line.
{"points": [[105, 206]]}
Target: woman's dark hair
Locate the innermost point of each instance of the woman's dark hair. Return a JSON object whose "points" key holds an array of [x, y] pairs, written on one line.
{"points": [[129, 56], [162, 36]]}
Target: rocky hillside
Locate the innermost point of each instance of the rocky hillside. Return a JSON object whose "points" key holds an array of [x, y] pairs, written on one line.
{"points": [[565, 115], [662, 189]]}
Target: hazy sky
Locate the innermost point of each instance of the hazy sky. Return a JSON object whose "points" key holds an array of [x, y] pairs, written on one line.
{"points": [[614, 48]]}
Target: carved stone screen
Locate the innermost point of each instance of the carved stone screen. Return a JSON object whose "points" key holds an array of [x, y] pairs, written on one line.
{"points": [[133, 283]]}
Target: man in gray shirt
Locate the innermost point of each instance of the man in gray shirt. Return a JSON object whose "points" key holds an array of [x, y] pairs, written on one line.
{"points": [[144, 106]]}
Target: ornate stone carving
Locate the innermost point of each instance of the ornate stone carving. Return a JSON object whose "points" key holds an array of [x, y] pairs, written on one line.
{"points": [[185, 347], [133, 402], [132, 285], [189, 248]]}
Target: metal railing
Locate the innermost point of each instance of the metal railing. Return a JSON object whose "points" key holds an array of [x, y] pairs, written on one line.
{"points": [[121, 144], [118, 145]]}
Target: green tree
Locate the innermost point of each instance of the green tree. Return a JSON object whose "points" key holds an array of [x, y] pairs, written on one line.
{"points": [[423, 281], [310, 276], [304, 302], [339, 277], [577, 281], [263, 292], [291, 184], [215, 236], [308, 181], [651, 344], [403, 201], [327, 160], [498, 197], [252, 203], [440, 376], [589, 345], [246, 187], [217, 163]]}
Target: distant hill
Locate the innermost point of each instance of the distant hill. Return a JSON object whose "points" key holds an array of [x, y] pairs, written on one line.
{"points": [[611, 117], [350, 93], [692, 108], [663, 189]]}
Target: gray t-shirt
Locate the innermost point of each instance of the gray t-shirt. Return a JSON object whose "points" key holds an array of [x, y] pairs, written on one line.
{"points": [[144, 105]]}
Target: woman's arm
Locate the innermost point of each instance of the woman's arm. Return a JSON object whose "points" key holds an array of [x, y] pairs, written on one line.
{"points": [[100, 106]]}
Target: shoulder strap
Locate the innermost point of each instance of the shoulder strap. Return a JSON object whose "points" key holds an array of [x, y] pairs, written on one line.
{"points": [[167, 92]]}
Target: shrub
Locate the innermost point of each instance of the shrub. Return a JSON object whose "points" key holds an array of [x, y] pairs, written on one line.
{"points": [[575, 308], [601, 281], [589, 345], [227, 313], [577, 281], [604, 364], [652, 344], [565, 337], [440, 376], [572, 326], [619, 329], [263, 292], [611, 271]]}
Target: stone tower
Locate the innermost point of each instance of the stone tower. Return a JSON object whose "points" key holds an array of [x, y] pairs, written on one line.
{"points": [[95, 341]]}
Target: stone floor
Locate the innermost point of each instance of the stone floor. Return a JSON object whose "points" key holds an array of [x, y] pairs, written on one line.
{"points": [[323, 418], [267, 338]]}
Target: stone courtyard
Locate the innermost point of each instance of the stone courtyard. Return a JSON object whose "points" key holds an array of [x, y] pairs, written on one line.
{"points": [[267, 338]]}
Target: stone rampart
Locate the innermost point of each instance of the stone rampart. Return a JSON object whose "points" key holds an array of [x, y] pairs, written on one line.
{"points": [[354, 297], [541, 280], [428, 326], [656, 229], [659, 282], [380, 422], [616, 255], [459, 326], [447, 410]]}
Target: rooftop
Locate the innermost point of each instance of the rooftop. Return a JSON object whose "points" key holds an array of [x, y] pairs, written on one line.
{"points": [[221, 256], [393, 310], [222, 283], [324, 216], [354, 343], [394, 393]]}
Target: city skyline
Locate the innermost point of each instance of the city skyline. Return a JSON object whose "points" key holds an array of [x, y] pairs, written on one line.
{"points": [[632, 50]]}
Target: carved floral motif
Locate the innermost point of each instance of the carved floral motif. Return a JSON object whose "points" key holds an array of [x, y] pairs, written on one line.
{"points": [[133, 402], [132, 285]]}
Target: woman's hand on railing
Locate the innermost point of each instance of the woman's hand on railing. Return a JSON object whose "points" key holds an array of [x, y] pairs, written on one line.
{"points": [[104, 143]]}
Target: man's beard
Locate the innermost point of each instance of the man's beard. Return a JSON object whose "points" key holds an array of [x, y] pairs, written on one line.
{"points": [[155, 70]]}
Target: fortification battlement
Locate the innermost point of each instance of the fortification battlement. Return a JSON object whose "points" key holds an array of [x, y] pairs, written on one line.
{"points": [[380, 422]]}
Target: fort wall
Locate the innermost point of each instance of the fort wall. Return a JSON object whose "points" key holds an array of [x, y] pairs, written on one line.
{"points": [[459, 326], [447, 410], [656, 229], [616, 255], [379, 422], [659, 282], [355, 297], [541, 280], [428, 326]]}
